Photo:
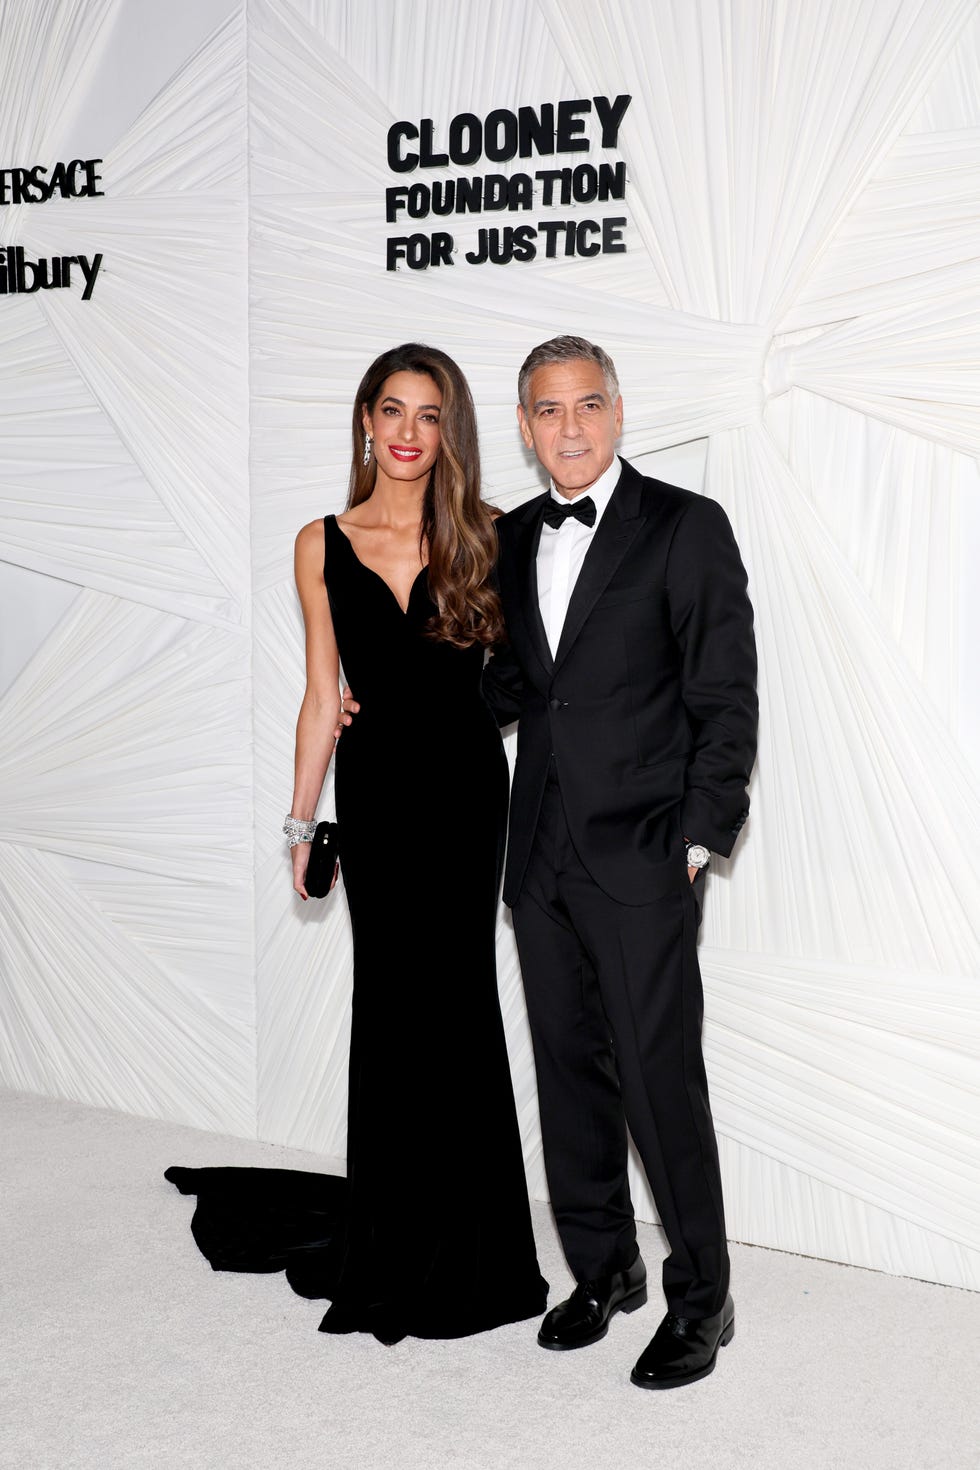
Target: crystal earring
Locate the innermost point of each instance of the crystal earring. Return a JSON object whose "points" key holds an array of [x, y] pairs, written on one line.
{"points": [[367, 450]]}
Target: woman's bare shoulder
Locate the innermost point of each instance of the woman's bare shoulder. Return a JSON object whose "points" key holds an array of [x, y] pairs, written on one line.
{"points": [[311, 534], [310, 548]]}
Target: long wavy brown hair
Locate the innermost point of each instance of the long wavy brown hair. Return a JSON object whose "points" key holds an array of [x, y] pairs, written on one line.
{"points": [[457, 525]]}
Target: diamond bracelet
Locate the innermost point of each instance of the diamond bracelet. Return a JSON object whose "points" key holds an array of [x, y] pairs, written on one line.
{"points": [[297, 830]]}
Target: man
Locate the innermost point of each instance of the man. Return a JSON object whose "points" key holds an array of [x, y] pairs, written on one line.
{"points": [[631, 669]]}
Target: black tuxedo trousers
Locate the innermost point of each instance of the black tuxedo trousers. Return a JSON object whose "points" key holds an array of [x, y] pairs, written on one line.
{"points": [[615, 1006]]}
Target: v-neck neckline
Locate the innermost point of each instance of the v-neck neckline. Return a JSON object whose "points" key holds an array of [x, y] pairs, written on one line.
{"points": [[383, 580]]}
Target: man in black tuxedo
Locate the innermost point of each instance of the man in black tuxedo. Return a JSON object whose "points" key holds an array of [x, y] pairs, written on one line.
{"points": [[631, 669]]}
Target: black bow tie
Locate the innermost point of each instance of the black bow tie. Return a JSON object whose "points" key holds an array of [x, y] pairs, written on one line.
{"points": [[583, 510]]}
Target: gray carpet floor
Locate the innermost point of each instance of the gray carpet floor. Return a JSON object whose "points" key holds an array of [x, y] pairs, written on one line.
{"points": [[121, 1348]]}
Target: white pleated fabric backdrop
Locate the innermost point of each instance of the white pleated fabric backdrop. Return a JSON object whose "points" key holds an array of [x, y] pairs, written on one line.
{"points": [[797, 329]]}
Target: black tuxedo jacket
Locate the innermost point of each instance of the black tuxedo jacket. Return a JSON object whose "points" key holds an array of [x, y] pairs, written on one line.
{"points": [[649, 707]]}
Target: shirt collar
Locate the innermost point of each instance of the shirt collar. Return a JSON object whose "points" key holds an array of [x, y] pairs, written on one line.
{"points": [[601, 491]]}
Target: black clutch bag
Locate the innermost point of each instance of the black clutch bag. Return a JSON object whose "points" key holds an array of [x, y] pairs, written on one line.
{"points": [[324, 852]]}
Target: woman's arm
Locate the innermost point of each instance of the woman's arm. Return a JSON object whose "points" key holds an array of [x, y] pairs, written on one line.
{"points": [[318, 712]]}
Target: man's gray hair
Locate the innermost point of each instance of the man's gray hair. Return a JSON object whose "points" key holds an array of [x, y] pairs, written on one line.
{"points": [[566, 349]]}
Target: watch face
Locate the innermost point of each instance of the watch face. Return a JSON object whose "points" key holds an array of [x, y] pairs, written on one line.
{"points": [[697, 856]]}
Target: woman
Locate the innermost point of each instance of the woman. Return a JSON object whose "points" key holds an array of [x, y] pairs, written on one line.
{"points": [[437, 1237]]}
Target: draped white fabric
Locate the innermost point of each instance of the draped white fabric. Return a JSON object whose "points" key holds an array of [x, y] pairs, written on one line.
{"points": [[800, 290], [125, 770]]}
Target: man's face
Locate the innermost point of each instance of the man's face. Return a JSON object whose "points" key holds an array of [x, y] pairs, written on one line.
{"points": [[571, 424]]}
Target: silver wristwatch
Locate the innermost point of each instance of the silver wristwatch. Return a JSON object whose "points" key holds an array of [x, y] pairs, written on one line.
{"points": [[697, 856]]}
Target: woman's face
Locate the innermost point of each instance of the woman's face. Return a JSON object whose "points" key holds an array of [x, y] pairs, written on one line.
{"points": [[405, 426]]}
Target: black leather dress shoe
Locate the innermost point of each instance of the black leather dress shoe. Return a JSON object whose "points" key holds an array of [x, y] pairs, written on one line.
{"points": [[584, 1317], [684, 1349]]}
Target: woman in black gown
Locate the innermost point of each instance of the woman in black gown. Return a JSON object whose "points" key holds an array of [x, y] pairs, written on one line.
{"points": [[430, 1234]]}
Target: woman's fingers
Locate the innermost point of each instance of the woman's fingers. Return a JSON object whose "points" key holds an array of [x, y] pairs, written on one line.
{"points": [[301, 857], [349, 706]]}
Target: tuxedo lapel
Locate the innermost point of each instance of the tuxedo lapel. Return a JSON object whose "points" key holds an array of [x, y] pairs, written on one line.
{"points": [[610, 543], [527, 534]]}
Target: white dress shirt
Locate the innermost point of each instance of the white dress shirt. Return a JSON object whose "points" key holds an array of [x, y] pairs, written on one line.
{"points": [[562, 549]]}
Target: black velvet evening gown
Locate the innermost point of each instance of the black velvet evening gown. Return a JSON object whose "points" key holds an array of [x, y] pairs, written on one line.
{"points": [[430, 1233]]}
